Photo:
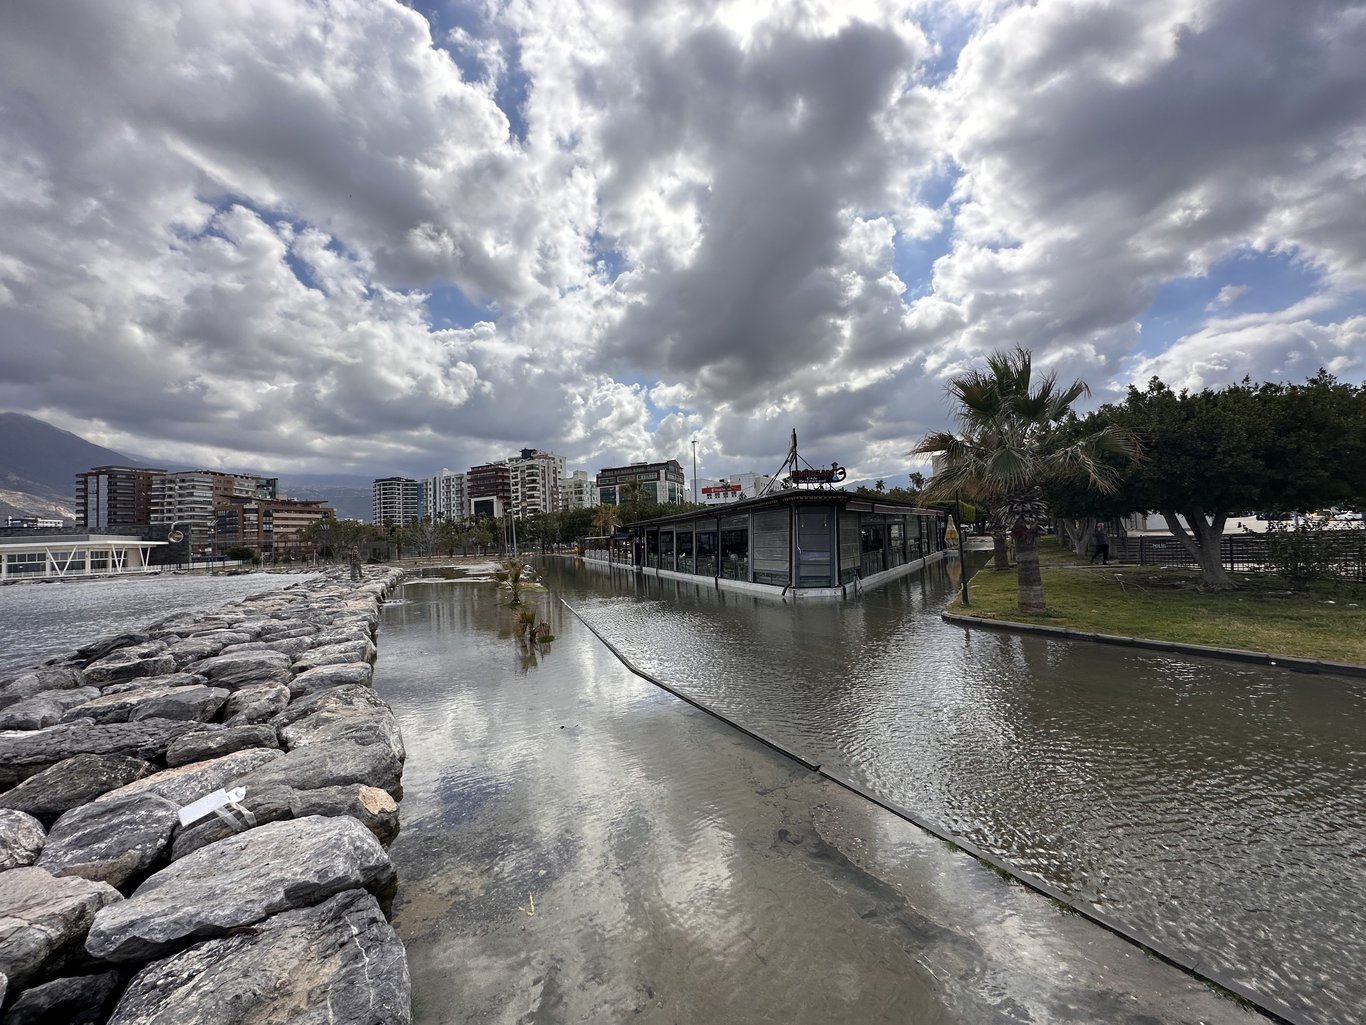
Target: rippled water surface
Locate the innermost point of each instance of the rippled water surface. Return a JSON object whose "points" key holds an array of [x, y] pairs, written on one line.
{"points": [[45, 619], [1214, 805]]}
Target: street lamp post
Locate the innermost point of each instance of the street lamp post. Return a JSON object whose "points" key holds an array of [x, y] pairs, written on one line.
{"points": [[962, 564], [694, 471]]}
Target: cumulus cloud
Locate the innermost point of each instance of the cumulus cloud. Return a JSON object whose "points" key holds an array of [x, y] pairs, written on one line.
{"points": [[348, 235]]}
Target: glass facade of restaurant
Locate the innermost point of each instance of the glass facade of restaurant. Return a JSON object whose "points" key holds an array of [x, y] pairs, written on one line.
{"points": [[795, 542]]}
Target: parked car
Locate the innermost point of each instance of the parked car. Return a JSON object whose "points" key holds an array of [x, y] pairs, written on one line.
{"points": [[1356, 516]]}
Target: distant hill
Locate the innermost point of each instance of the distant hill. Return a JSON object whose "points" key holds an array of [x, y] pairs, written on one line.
{"points": [[34, 452], [39, 463]]}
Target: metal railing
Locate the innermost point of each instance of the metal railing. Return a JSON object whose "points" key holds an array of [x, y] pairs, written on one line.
{"points": [[1241, 552]]}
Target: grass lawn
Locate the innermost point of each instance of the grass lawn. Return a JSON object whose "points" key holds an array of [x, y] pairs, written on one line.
{"points": [[1166, 604]]}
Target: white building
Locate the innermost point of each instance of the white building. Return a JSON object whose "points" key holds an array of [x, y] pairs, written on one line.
{"points": [[37, 557], [731, 489], [394, 501], [536, 480], [578, 491], [445, 496]]}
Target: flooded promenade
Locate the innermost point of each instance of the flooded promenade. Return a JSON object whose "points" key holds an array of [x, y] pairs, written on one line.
{"points": [[579, 844]]}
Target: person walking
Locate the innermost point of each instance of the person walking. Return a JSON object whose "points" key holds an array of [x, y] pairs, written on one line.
{"points": [[353, 557], [1102, 545]]}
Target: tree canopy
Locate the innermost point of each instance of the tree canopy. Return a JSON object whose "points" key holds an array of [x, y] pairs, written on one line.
{"points": [[1216, 453]]}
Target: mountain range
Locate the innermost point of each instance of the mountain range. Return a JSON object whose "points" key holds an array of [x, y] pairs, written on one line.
{"points": [[39, 463]]}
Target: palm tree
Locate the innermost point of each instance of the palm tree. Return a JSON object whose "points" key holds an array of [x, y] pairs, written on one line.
{"points": [[1007, 448], [633, 491], [606, 518]]}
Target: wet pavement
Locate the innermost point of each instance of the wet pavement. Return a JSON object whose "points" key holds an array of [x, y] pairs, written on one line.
{"points": [[579, 845]]}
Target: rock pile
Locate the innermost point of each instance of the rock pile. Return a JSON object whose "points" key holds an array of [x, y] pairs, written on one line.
{"points": [[117, 908]]}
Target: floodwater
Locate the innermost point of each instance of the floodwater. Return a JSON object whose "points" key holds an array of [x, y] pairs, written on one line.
{"points": [[42, 619], [580, 845], [1213, 805]]}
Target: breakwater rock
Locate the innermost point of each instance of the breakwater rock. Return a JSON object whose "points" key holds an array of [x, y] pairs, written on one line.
{"points": [[126, 896]]}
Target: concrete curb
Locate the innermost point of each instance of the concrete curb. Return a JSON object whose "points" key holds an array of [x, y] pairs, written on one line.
{"points": [[1188, 961], [1291, 662]]}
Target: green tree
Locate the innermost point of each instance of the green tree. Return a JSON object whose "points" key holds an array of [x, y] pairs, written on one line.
{"points": [[1008, 447], [1216, 453]]}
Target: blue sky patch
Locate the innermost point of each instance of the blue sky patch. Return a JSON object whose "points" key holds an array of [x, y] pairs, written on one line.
{"points": [[1256, 282]]}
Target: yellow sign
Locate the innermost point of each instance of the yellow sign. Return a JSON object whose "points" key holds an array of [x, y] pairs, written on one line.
{"points": [[951, 532]]}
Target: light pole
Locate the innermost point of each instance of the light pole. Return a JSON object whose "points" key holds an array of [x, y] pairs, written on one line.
{"points": [[962, 565], [694, 471]]}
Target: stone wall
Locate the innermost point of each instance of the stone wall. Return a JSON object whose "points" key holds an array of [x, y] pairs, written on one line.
{"points": [[270, 909]]}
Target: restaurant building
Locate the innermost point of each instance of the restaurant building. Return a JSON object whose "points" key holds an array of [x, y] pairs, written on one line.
{"points": [[787, 543]]}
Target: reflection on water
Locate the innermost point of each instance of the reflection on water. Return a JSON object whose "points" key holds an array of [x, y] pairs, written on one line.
{"points": [[1214, 805]]}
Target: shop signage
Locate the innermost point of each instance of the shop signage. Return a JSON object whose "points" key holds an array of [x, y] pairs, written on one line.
{"points": [[724, 489], [833, 475]]}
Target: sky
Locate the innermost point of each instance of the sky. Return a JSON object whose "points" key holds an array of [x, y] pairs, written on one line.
{"points": [[357, 236]]}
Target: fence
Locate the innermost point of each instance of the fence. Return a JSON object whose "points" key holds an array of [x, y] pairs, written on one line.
{"points": [[1345, 551]]}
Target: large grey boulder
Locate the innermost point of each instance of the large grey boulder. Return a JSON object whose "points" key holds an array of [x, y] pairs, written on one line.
{"points": [[73, 782], [199, 747], [371, 807], [245, 668], [181, 679], [255, 703], [204, 645], [288, 628], [96, 650], [174, 702], [21, 839], [339, 962], [353, 713], [44, 709], [291, 646], [31, 682], [76, 1000], [344, 674], [359, 650], [332, 763], [41, 916], [239, 881], [110, 841], [187, 783], [25, 754], [147, 659]]}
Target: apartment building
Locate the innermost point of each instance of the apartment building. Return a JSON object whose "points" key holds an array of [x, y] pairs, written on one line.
{"points": [[189, 498], [490, 489], [658, 482], [578, 491], [115, 496], [536, 478], [271, 527], [445, 496], [394, 501]]}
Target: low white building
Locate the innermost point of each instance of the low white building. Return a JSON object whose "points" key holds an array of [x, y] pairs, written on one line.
{"points": [[39, 557], [731, 489]]}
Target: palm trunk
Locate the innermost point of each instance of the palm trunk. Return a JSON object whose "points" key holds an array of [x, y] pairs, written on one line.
{"points": [[1030, 578], [1000, 553]]}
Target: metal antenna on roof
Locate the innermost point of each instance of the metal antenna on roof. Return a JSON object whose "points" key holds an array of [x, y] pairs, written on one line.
{"points": [[789, 464]]}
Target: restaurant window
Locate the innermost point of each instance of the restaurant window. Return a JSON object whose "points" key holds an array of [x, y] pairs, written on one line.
{"points": [[735, 548], [772, 546]]}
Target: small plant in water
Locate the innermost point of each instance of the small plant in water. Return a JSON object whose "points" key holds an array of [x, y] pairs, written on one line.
{"points": [[512, 573], [532, 628]]}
